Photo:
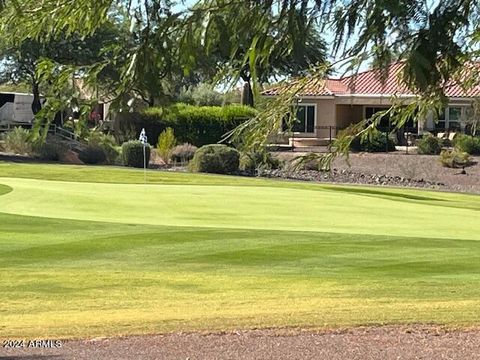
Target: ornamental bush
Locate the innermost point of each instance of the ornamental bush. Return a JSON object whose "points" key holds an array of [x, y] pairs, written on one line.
{"points": [[51, 150], [429, 145], [132, 153], [252, 162], [165, 144], [467, 143], [107, 143], [183, 153], [215, 158], [196, 125], [17, 141], [93, 154], [454, 158], [377, 141]]}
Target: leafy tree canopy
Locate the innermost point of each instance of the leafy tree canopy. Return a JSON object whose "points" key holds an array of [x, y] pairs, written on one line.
{"points": [[437, 40]]}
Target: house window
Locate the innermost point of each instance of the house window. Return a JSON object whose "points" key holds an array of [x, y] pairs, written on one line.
{"points": [[305, 119], [449, 118]]}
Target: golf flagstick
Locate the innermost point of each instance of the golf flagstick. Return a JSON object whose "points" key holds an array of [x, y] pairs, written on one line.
{"points": [[144, 165], [144, 140]]}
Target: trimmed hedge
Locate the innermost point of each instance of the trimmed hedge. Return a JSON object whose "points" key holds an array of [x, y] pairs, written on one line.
{"points": [[216, 159], [132, 153], [197, 125]]}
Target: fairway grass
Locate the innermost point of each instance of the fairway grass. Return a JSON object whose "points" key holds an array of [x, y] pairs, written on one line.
{"points": [[92, 251]]}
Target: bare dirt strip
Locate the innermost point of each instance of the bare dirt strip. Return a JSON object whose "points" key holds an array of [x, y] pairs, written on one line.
{"points": [[385, 342]]}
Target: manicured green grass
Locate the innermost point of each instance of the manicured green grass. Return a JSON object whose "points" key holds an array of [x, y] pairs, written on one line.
{"points": [[91, 251]]}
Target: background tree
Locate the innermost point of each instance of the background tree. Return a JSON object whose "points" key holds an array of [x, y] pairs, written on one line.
{"points": [[435, 39], [21, 61], [288, 45]]}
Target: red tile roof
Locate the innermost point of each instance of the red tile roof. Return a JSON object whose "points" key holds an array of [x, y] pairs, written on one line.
{"points": [[370, 83]]}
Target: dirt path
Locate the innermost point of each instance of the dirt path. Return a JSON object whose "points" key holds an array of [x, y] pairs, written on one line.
{"points": [[405, 342]]}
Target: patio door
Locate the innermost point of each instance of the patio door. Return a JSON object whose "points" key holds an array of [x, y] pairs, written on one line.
{"points": [[305, 119]]}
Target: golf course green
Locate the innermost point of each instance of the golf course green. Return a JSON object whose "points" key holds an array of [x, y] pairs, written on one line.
{"points": [[94, 251]]}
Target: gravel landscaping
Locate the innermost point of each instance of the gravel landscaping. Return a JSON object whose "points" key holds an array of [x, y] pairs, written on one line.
{"points": [[366, 343], [393, 169]]}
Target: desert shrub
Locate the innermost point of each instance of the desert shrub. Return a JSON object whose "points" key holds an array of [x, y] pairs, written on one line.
{"points": [[17, 141], [252, 161], [468, 144], [196, 125], [183, 153], [215, 158], [377, 141], [132, 153], [429, 145], [454, 158], [165, 144], [107, 143], [52, 150], [93, 154]]}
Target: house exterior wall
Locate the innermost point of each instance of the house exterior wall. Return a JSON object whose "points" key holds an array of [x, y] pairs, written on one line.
{"points": [[326, 117], [348, 114], [333, 113]]}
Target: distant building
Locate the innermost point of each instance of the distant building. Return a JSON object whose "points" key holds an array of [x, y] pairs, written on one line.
{"points": [[329, 105], [16, 108]]}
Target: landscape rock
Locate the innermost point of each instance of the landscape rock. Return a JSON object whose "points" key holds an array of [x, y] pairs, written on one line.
{"points": [[352, 177]]}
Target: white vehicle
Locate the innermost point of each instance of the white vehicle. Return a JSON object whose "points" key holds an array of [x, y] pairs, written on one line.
{"points": [[16, 108]]}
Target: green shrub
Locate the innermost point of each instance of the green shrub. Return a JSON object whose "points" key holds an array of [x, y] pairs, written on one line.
{"points": [[119, 159], [52, 150], [105, 142], [429, 145], [183, 153], [165, 144], [197, 125], [253, 161], [377, 141], [93, 154], [215, 158], [132, 153], [468, 144], [17, 141], [454, 158]]}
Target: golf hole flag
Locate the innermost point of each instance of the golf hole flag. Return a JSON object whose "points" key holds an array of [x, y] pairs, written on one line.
{"points": [[143, 137]]}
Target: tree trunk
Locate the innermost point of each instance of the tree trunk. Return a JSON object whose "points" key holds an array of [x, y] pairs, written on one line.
{"points": [[247, 94], [36, 103]]}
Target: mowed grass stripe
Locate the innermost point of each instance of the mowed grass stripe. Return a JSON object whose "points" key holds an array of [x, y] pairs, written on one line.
{"points": [[347, 257]]}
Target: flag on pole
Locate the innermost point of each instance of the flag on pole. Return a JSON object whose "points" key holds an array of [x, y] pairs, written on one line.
{"points": [[143, 137]]}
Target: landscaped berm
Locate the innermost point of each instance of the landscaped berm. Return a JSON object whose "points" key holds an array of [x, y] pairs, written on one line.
{"points": [[92, 251]]}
